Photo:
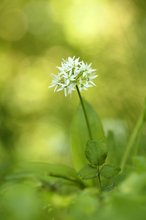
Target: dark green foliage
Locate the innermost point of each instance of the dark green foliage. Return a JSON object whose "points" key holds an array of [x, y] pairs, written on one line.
{"points": [[109, 171], [88, 172], [95, 153]]}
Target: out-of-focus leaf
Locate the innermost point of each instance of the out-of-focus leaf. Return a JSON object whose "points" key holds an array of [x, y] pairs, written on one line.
{"points": [[16, 198], [133, 138], [113, 155], [95, 153], [109, 171], [139, 163], [43, 170], [85, 206], [134, 184], [80, 136], [88, 172]]}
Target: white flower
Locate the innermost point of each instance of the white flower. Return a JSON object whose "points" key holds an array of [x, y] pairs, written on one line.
{"points": [[72, 73]]}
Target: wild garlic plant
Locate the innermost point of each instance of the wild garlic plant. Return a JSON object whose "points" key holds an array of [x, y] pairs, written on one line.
{"points": [[75, 74], [95, 157]]}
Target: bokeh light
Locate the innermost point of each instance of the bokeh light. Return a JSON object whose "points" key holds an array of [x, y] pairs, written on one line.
{"points": [[13, 24]]}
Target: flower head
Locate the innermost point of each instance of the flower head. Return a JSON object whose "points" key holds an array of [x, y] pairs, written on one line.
{"points": [[72, 73]]}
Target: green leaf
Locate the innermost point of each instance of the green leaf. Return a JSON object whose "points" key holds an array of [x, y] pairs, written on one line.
{"points": [[109, 171], [79, 134], [43, 170], [95, 153], [88, 172], [111, 145]]}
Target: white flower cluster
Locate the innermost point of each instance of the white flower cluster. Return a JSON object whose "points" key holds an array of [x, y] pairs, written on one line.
{"points": [[72, 73]]}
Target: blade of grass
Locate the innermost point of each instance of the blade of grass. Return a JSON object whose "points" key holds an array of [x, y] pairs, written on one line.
{"points": [[133, 137]]}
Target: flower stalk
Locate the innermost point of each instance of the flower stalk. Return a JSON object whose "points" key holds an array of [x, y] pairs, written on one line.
{"points": [[89, 130], [85, 113]]}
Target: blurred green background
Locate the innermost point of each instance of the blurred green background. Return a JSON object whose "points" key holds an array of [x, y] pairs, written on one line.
{"points": [[34, 37]]}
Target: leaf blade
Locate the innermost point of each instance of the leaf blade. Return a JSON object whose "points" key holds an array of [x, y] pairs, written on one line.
{"points": [[109, 171], [79, 134], [88, 172], [95, 153]]}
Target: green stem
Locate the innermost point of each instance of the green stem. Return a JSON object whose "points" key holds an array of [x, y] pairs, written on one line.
{"points": [[88, 127], [133, 138], [99, 180], [85, 113]]}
